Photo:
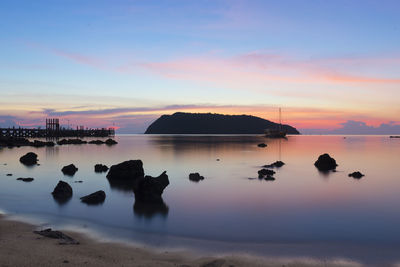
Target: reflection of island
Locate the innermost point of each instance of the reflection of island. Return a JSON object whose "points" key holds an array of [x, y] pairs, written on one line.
{"points": [[149, 210], [208, 123]]}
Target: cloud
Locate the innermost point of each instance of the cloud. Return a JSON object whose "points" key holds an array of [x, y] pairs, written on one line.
{"points": [[7, 121], [360, 128]]}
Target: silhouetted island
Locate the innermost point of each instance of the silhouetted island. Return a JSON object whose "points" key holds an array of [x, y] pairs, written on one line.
{"points": [[208, 123]]}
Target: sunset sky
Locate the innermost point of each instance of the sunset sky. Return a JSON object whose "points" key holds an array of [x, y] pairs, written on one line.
{"points": [[332, 66]]}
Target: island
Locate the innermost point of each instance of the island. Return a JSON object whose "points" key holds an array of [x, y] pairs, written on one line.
{"points": [[211, 123]]}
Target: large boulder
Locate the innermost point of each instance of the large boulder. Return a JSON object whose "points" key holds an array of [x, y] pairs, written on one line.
{"points": [[325, 163], [100, 168], [94, 198], [62, 192], [149, 189], [195, 177], [127, 170], [69, 169], [29, 159]]}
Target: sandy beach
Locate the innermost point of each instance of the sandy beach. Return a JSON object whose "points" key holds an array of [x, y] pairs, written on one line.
{"points": [[19, 246]]}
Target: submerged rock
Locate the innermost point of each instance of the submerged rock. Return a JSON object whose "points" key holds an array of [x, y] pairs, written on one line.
{"points": [[29, 179], [262, 145], [94, 198], [149, 189], [276, 164], [100, 168], [357, 175], [69, 169], [111, 142], [29, 159], [64, 239], [62, 192], [325, 163], [127, 170], [195, 177]]}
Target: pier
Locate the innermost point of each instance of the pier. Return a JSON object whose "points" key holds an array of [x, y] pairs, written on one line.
{"points": [[53, 129]]}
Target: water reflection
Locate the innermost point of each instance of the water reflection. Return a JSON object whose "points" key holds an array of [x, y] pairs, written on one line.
{"points": [[149, 210], [121, 185]]}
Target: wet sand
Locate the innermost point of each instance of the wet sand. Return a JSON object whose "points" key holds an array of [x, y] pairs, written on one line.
{"points": [[19, 246]]}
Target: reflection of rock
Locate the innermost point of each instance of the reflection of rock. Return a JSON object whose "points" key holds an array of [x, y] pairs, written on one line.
{"points": [[94, 198], [69, 169], [100, 168], [356, 175], [29, 159], [122, 185], [149, 189], [325, 163], [29, 179], [111, 142], [127, 170], [276, 164], [62, 192], [149, 210], [195, 177], [262, 145]]}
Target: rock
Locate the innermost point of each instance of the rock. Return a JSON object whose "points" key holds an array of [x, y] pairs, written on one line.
{"points": [[149, 189], [9, 174], [265, 172], [100, 168], [71, 142], [29, 159], [94, 198], [62, 192], [357, 175], [29, 179], [127, 170], [325, 163], [276, 164], [394, 136], [214, 263], [262, 145], [37, 143], [96, 142], [111, 142], [78, 181], [195, 177], [69, 169], [269, 178], [64, 239]]}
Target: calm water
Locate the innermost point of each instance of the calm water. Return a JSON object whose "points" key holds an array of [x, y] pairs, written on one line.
{"points": [[302, 213]]}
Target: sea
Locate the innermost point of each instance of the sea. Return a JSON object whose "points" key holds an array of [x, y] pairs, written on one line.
{"points": [[302, 214]]}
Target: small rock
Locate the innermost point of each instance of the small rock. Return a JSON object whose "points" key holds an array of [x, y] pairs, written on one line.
{"points": [[325, 163], [9, 174], [29, 179], [265, 172], [65, 239], [29, 159], [96, 142], [262, 145], [269, 178], [78, 181], [63, 191], [100, 168], [111, 142], [276, 164], [357, 175], [214, 263], [69, 169], [195, 177], [94, 198]]}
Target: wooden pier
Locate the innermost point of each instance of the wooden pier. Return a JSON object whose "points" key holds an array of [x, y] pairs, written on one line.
{"points": [[53, 129]]}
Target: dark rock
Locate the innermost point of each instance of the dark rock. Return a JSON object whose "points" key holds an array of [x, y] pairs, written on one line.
{"points": [[62, 192], [262, 145], [78, 181], [64, 239], [265, 172], [127, 170], [96, 142], [29, 159], [195, 177], [9, 174], [29, 179], [357, 175], [325, 163], [111, 142], [148, 210], [149, 189], [37, 143], [69, 169], [94, 198], [269, 178], [100, 168], [394, 136], [71, 142], [276, 164], [214, 263]]}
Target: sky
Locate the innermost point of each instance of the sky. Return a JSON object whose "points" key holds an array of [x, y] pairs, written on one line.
{"points": [[332, 66]]}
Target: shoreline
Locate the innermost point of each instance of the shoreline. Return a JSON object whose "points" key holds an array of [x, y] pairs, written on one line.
{"points": [[21, 247]]}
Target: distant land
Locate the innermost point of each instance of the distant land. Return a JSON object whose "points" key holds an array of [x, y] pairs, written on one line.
{"points": [[209, 123]]}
